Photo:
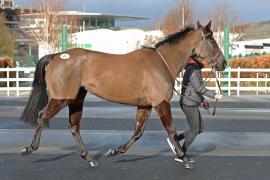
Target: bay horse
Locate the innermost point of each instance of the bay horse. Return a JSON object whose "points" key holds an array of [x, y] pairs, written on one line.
{"points": [[144, 78]]}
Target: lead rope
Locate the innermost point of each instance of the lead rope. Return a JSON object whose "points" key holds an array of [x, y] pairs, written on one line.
{"points": [[219, 88], [171, 72], [168, 67], [220, 91]]}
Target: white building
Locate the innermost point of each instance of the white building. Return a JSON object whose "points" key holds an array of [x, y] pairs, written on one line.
{"points": [[243, 47], [252, 46], [110, 41], [115, 42]]}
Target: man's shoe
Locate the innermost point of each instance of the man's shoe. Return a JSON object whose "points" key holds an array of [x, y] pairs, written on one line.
{"points": [[171, 146], [181, 160]]}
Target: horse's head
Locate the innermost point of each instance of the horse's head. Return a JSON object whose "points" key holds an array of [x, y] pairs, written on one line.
{"points": [[206, 48]]}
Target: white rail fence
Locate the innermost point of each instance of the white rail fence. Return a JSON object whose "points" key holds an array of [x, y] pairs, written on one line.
{"points": [[18, 81]]}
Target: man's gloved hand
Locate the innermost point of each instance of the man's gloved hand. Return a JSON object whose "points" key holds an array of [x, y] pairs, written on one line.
{"points": [[218, 96], [205, 104]]}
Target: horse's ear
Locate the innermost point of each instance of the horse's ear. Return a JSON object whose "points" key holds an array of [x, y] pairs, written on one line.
{"points": [[199, 25], [208, 26]]}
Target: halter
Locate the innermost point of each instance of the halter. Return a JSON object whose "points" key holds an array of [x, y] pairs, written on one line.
{"points": [[210, 61]]}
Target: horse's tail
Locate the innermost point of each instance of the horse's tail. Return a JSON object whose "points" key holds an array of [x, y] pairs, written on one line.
{"points": [[39, 97]]}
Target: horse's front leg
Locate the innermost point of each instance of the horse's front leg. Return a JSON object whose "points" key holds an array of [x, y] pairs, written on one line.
{"points": [[164, 111], [44, 116], [142, 117]]}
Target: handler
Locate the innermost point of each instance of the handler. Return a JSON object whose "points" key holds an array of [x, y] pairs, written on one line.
{"points": [[192, 94]]}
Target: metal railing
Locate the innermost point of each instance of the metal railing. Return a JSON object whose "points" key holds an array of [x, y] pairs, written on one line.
{"points": [[18, 81]]}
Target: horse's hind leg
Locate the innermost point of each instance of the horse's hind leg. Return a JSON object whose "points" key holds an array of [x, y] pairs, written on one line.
{"points": [[53, 107], [164, 111], [142, 117], [75, 114]]}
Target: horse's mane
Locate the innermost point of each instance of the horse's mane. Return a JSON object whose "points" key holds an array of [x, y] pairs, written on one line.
{"points": [[174, 38]]}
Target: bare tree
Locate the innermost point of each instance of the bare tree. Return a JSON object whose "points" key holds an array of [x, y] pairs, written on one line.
{"points": [[6, 39], [183, 14], [47, 23], [178, 17], [222, 15]]}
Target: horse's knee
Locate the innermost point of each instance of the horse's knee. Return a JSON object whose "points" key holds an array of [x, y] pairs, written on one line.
{"points": [[73, 128]]}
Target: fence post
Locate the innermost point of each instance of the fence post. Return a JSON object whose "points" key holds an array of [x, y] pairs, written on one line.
{"points": [[17, 82], [265, 83], [8, 90], [257, 84], [229, 81], [238, 81]]}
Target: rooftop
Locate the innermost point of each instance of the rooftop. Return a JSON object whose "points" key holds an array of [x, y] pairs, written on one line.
{"points": [[85, 15]]}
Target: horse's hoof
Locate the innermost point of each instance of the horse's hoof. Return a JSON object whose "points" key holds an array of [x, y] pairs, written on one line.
{"points": [[25, 151], [188, 165], [110, 153], [93, 163]]}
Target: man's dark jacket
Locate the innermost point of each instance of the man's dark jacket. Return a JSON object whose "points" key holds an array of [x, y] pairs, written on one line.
{"points": [[193, 89]]}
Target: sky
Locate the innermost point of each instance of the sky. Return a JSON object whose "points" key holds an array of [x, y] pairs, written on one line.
{"points": [[248, 10]]}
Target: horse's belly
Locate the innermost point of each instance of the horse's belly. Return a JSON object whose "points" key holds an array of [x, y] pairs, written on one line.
{"points": [[119, 95]]}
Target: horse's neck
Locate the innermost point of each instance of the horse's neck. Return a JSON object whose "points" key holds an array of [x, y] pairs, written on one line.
{"points": [[176, 55]]}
